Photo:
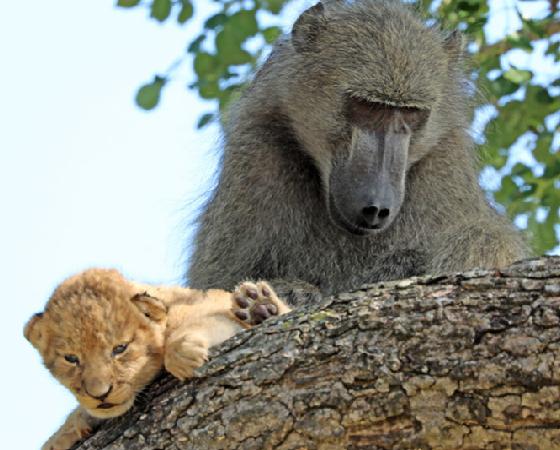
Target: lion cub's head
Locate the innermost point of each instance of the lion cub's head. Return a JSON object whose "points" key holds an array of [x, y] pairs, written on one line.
{"points": [[102, 338]]}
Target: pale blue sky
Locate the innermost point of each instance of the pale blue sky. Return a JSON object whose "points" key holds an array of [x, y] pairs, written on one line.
{"points": [[87, 178]]}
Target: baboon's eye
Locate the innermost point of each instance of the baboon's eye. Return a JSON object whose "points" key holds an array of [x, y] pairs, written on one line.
{"points": [[377, 116], [72, 359], [414, 117], [117, 350]]}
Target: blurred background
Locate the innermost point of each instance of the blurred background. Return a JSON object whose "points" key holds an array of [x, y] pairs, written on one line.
{"points": [[109, 142]]}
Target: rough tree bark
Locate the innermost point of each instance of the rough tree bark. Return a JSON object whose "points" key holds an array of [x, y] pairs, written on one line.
{"points": [[468, 361]]}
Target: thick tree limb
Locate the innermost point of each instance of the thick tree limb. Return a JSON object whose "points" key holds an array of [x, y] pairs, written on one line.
{"points": [[468, 361]]}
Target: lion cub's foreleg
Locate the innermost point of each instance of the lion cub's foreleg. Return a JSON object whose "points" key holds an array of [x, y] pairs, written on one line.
{"points": [[77, 426], [211, 319]]}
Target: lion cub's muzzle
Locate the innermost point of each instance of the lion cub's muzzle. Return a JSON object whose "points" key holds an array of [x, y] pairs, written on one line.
{"points": [[105, 400], [98, 389]]}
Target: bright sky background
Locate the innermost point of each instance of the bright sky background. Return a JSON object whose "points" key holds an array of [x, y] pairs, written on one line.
{"points": [[87, 178]]}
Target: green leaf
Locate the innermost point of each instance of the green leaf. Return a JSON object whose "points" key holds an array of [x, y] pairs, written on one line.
{"points": [[127, 3], [543, 149], [489, 63], [508, 189], [270, 34], [229, 50], [476, 25], [161, 9], [535, 26], [542, 95], [543, 233], [194, 46], [274, 6], [520, 207], [553, 48], [204, 63], [520, 41], [552, 170], [209, 89], [470, 7], [550, 196], [204, 120], [148, 95], [502, 131], [520, 169], [518, 76], [186, 11], [491, 156], [502, 86], [242, 24], [215, 21], [229, 95]]}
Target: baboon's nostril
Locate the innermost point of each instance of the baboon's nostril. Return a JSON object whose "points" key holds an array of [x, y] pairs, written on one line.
{"points": [[374, 216], [370, 214], [383, 213]]}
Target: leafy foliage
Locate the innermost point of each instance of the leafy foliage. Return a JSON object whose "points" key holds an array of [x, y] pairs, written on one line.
{"points": [[520, 109], [224, 53], [521, 145]]}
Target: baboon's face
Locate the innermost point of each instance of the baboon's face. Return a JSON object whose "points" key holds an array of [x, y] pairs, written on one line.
{"points": [[378, 73], [367, 178]]}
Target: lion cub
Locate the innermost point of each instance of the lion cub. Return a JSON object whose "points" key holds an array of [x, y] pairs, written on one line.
{"points": [[105, 338]]}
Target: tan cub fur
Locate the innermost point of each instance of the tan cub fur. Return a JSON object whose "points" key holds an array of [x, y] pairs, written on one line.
{"points": [[105, 338]]}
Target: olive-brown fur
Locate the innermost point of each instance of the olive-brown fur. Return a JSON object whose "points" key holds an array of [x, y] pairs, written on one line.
{"points": [[269, 216]]}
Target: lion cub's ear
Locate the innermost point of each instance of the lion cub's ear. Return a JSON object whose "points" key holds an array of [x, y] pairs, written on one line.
{"points": [[152, 307], [35, 332]]}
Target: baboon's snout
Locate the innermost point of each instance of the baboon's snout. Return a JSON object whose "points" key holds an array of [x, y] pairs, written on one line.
{"points": [[367, 184], [365, 204], [371, 205]]}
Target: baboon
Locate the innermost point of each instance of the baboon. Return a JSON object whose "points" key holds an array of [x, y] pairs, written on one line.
{"points": [[348, 160]]}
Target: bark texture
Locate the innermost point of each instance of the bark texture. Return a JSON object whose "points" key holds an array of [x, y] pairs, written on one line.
{"points": [[468, 361]]}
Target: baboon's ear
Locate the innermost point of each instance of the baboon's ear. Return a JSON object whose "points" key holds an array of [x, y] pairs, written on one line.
{"points": [[307, 28], [151, 307], [35, 332], [454, 45]]}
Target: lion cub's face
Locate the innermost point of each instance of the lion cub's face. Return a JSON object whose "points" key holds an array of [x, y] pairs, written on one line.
{"points": [[101, 339]]}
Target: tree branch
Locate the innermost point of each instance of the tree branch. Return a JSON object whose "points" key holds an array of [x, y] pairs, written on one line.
{"points": [[468, 361]]}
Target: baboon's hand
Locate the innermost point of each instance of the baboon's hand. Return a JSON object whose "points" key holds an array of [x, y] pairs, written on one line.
{"points": [[256, 302]]}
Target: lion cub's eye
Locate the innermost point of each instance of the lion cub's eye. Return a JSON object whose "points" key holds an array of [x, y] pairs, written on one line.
{"points": [[117, 350], [72, 359]]}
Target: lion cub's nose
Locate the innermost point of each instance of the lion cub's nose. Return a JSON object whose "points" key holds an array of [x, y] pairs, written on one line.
{"points": [[98, 389]]}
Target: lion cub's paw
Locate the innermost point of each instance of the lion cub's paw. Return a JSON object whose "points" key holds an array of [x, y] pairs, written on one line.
{"points": [[61, 441], [78, 426], [256, 302], [184, 355]]}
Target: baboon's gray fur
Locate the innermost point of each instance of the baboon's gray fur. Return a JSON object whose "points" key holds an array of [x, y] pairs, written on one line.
{"points": [[269, 216]]}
